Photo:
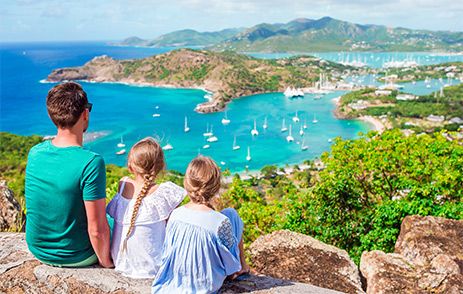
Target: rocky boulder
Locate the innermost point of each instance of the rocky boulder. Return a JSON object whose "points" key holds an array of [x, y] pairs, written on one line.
{"points": [[11, 214], [428, 258], [288, 255], [21, 273]]}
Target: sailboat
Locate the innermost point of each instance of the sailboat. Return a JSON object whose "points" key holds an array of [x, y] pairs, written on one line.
{"points": [[212, 139], [301, 131], [314, 119], [225, 120], [235, 147], [265, 125], [167, 147], [208, 132], [283, 126], [186, 128], [289, 138], [248, 157], [120, 152], [296, 118], [303, 146], [254, 131], [121, 144], [305, 124]]}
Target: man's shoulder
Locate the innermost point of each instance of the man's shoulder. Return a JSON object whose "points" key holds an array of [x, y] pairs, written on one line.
{"points": [[39, 147], [81, 154]]}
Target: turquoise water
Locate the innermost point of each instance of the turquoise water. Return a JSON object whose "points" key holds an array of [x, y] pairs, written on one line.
{"points": [[131, 117], [127, 111]]}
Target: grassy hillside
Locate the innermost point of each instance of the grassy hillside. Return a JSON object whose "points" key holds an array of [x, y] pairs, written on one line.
{"points": [[309, 35], [328, 34], [183, 38], [227, 74]]}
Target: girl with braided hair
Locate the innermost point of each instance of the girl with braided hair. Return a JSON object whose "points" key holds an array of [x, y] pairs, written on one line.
{"points": [[202, 246], [140, 210]]}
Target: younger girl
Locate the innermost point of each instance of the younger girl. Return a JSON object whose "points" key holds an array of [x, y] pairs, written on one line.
{"points": [[202, 246], [140, 210]]}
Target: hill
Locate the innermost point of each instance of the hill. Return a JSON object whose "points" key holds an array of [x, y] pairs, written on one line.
{"points": [[185, 38], [228, 75], [329, 34], [311, 35]]}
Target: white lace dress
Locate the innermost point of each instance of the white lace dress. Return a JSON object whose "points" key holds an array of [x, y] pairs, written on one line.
{"points": [[143, 253]]}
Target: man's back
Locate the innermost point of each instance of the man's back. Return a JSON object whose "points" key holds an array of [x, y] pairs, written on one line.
{"points": [[58, 180]]}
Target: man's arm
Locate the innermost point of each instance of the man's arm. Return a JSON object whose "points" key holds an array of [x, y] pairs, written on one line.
{"points": [[98, 230]]}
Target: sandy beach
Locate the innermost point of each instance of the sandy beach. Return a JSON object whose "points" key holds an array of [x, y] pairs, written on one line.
{"points": [[374, 122]]}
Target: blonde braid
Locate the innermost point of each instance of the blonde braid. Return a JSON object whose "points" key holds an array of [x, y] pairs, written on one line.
{"points": [[148, 181]]}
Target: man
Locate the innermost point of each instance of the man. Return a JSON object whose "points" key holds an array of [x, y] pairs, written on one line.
{"points": [[66, 222]]}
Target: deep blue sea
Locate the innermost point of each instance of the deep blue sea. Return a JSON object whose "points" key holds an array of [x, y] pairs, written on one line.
{"points": [[127, 112]]}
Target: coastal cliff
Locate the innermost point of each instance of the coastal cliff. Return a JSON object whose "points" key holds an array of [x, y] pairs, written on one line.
{"points": [[227, 75]]}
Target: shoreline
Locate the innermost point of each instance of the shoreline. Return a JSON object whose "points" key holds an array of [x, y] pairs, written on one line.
{"points": [[375, 123]]}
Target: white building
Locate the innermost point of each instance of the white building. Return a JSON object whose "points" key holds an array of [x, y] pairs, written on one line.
{"points": [[435, 118], [456, 120], [405, 97], [383, 92]]}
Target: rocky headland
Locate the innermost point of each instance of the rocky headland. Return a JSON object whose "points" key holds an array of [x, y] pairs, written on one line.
{"points": [[227, 75]]}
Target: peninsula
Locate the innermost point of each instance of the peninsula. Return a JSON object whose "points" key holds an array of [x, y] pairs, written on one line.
{"points": [[227, 75]]}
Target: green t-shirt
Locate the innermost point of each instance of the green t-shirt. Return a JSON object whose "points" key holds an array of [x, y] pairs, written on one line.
{"points": [[58, 181]]}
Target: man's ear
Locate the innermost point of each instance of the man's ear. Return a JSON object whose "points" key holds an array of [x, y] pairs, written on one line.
{"points": [[85, 114]]}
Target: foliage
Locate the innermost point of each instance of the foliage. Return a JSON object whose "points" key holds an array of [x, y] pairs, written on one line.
{"points": [[360, 199], [13, 159]]}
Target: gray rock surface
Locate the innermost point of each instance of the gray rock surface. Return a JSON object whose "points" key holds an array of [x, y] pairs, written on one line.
{"points": [[10, 210], [21, 273], [428, 258], [293, 256]]}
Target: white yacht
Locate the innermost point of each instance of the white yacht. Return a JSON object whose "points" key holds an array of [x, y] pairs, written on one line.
{"points": [[120, 152], [208, 132], [296, 118], [235, 147], [121, 144], [289, 138], [186, 128], [254, 131], [212, 139], [167, 147], [206, 146], [303, 146], [283, 126], [156, 114], [265, 125], [225, 120], [248, 157], [291, 92]]}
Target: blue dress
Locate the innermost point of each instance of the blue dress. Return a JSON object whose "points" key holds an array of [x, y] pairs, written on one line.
{"points": [[200, 250]]}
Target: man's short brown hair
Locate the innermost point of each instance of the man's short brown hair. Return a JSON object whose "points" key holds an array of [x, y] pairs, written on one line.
{"points": [[65, 104]]}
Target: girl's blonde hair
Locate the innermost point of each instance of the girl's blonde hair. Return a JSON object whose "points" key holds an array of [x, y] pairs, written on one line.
{"points": [[146, 158], [202, 180]]}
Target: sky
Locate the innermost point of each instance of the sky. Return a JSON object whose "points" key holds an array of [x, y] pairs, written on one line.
{"points": [[68, 20]]}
